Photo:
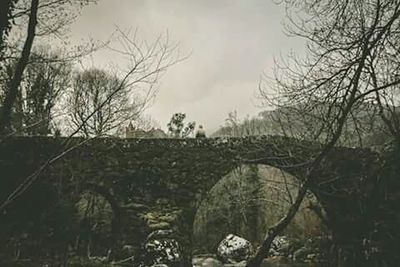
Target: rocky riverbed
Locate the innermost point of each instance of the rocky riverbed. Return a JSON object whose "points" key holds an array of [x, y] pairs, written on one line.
{"points": [[234, 251], [210, 260]]}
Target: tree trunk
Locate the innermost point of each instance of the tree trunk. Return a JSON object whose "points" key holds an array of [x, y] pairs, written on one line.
{"points": [[12, 90], [6, 8], [275, 230]]}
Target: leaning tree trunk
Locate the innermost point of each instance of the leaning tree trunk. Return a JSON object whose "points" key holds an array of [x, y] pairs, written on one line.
{"points": [[275, 230]]}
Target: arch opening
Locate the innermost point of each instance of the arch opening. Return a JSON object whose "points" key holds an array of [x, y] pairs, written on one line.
{"points": [[98, 216], [247, 201]]}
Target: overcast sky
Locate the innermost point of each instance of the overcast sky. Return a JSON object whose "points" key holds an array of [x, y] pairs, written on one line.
{"points": [[231, 43]]}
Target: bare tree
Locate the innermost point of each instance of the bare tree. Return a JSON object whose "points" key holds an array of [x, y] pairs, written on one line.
{"points": [[337, 69], [146, 64], [89, 90], [45, 79], [345, 39], [129, 92], [43, 18], [12, 92], [233, 122]]}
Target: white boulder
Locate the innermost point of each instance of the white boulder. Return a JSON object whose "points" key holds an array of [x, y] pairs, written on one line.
{"points": [[234, 249]]}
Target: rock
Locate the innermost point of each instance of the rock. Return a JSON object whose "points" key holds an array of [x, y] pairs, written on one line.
{"points": [[159, 225], [160, 234], [239, 264], [169, 218], [280, 246], [301, 254], [136, 207], [234, 249], [129, 249], [160, 249], [312, 256], [210, 262], [165, 251], [197, 261], [313, 250], [275, 261], [199, 258]]}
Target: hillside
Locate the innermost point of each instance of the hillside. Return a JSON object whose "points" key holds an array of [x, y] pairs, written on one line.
{"points": [[365, 128]]}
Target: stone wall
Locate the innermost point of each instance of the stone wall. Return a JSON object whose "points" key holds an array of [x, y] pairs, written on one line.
{"points": [[156, 184]]}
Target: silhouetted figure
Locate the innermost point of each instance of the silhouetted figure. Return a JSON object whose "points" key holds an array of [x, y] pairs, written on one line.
{"points": [[200, 133]]}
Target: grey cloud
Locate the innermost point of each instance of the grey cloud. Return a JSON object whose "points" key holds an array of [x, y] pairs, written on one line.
{"points": [[231, 41]]}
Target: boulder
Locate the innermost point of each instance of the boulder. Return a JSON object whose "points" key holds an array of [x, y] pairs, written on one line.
{"points": [[233, 249], [301, 255], [161, 249], [206, 262], [280, 246], [315, 249], [239, 264]]}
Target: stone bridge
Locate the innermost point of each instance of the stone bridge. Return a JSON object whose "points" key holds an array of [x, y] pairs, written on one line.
{"points": [[159, 183]]}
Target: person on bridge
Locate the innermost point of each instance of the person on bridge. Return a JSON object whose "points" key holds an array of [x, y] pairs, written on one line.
{"points": [[200, 133]]}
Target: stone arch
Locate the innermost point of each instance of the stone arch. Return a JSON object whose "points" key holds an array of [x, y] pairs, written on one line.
{"points": [[265, 198], [96, 198], [112, 200]]}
